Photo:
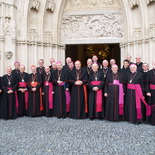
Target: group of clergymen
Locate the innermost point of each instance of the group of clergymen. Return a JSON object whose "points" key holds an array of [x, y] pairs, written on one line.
{"points": [[94, 91]]}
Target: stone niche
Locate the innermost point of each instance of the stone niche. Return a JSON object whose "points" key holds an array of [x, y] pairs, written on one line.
{"points": [[83, 22]]}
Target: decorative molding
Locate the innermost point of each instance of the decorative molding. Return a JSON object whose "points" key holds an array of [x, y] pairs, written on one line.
{"points": [[48, 37], [152, 30], [33, 35], [149, 2], [8, 54], [9, 27], [106, 26], [91, 4], [137, 34], [50, 5], [134, 3], [35, 4]]}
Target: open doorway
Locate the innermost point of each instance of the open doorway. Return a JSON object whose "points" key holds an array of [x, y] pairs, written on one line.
{"points": [[103, 51]]}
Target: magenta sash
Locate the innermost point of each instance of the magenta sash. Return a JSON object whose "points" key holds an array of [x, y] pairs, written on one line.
{"points": [[121, 96], [61, 84], [50, 96], [68, 98], [24, 84], [16, 98], [139, 97], [98, 97], [152, 86]]}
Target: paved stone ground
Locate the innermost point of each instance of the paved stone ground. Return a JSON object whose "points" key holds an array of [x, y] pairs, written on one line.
{"points": [[52, 136]]}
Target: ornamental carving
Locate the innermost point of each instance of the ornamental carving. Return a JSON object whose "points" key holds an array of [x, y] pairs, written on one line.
{"points": [[50, 5], [48, 37], [134, 3], [137, 34], [89, 4], [33, 35], [92, 26], [35, 4], [150, 1], [152, 31]]}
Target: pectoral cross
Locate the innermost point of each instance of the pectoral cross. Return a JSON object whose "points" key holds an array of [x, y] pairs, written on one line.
{"points": [[96, 78], [9, 83]]}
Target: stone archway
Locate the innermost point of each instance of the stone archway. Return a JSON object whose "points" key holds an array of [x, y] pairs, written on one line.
{"points": [[92, 22]]}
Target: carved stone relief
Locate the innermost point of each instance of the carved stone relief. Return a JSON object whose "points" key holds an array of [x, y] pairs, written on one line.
{"points": [[137, 34], [92, 26], [33, 35], [152, 31], [35, 4], [89, 4], [48, 37], [134, 3], [150, 1], [50, 5]]}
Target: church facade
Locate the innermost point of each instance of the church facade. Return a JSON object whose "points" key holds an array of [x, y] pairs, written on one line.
{"points": [[41, 29]]}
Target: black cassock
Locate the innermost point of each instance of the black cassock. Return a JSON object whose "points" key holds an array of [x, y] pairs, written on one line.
{"points": [[79, 106], [9, 101], [88, 69], [125, 71], [93, 77], [139, 67], [48, 96], [130, 99], [0, 97], [112, 101], [15, 72], [60, 95], [22, 97], [150, 80], [35, 104]]}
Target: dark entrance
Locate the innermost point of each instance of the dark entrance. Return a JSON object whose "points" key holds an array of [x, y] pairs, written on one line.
{"points": [[103, 51]]}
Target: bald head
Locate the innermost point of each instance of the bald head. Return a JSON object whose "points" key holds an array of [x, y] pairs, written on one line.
{"points": [[22, 68], [112, 62], [114, 68], [95, 67], [89, 62], [8, 70], [78, 65], [105, 63], [47, 69], [133, 68], [128, 57], [138, 59]]}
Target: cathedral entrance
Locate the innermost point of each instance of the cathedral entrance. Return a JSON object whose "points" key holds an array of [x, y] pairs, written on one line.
{"points": [[103, 51]]}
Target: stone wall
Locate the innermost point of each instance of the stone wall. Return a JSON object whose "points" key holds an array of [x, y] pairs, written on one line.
{"points": [[33, 29]]}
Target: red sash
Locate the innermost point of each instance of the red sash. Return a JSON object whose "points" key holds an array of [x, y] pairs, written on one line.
{"points": [[16, 99], [139, 98], [85, 98], [50, 96], [68, 98], [34, 84], [24, 84], [98, 97]]}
